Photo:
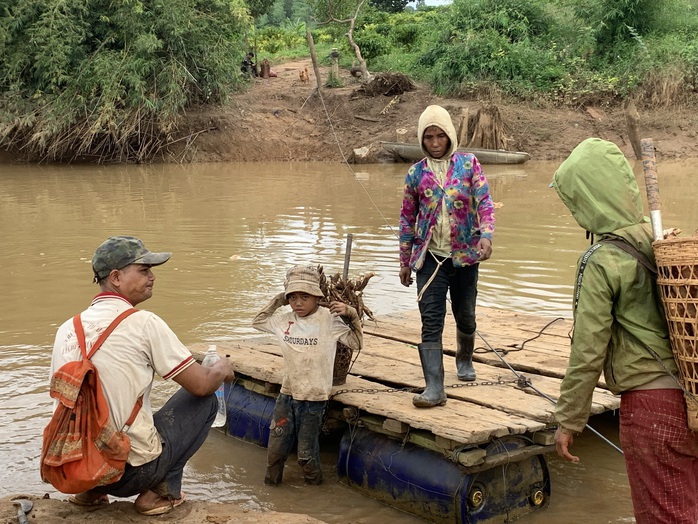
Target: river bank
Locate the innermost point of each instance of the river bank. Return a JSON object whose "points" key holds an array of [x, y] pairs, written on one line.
{"points": [[282, 119]]}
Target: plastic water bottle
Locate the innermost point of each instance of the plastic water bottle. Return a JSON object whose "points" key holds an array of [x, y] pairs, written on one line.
{"points": [[210, 359]]}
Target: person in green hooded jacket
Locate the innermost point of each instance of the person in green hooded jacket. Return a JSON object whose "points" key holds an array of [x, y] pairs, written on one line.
{"points": [[620, 329]]}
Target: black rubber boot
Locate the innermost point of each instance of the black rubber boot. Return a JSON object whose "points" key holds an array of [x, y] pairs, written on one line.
{"points": [[431, 355], [464, 356]]}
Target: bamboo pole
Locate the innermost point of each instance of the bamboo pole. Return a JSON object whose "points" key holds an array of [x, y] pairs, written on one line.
{"points": [[463, 127], [631, 118], [313, 56], [652, 185], [347, 256]]}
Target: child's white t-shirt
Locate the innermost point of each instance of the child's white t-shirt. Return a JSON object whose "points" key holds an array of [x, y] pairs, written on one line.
{"points": [[308, 345]]}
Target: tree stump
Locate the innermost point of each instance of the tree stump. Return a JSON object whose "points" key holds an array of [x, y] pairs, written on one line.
{"points": [[463, 126], [362, 155], [265, 68], [489, 130]]}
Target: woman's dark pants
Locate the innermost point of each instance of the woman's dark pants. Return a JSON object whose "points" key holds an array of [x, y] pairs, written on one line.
{"points": [[462, 282]]}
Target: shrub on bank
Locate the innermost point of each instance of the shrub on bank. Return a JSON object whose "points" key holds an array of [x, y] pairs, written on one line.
{"points": [[530, 49], [107, 81]]}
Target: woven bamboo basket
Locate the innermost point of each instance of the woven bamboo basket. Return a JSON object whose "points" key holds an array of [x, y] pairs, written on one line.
{"points": [[677, 268], [342, 363]]}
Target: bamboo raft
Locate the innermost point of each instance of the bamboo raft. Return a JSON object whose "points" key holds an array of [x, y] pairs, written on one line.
{"points": [[377, 389], [478, 459]]}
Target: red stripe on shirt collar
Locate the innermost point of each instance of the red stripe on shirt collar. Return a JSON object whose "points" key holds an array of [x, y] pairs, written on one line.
{"points": [[110, 295]]}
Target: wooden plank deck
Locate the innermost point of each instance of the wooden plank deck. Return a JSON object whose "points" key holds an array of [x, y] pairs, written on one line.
{"points": [[494, 406]]}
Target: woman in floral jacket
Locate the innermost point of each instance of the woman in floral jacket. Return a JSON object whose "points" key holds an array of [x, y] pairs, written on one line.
{"points": [[446, 229]]}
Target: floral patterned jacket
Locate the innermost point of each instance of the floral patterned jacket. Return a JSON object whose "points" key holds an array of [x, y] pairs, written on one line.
{"points": [[470, 208]]}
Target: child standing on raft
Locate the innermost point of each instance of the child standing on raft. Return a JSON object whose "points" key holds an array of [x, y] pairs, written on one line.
{"points": [[308, 335]]}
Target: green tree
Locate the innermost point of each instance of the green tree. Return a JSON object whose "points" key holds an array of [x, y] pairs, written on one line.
{"points": [[616, 22], [390, 6], [259, 7], [343, 13], [108, 80]]}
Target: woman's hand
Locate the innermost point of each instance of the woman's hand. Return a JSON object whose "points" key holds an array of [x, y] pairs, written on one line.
{"points": [[406, 276], [484, 249], [564, 438]]}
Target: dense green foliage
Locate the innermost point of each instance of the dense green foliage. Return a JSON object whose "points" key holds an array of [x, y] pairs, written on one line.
{"points": [[566, 51], [261, 7], [108, 79], [390, 6]]}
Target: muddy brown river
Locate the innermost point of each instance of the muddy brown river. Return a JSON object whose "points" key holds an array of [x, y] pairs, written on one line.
{"points": [[234, 229]]}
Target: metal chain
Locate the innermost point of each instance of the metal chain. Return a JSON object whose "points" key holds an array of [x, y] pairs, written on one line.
{"points": [[499, 382], [371, 391], [521, 382]]}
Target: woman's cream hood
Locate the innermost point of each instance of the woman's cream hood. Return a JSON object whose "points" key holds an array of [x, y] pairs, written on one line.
{"points": [[437, 116]]}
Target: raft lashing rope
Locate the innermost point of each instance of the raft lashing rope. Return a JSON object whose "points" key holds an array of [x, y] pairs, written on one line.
{"points": [[346, 163]]}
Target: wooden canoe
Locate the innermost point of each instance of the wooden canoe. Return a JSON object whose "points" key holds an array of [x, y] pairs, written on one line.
{"points": [[405, 152]]}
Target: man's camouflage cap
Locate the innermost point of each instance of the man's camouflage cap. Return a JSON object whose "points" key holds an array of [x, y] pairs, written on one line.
{"points": [[119, 252]]}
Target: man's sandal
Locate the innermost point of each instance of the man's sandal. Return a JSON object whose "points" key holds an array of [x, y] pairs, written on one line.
{"points": [[89, 499], [162, 506]]}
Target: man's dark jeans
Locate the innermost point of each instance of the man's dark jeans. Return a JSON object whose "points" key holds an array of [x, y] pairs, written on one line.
{"points": [[462, 282], [183, 424], [295, 421]]}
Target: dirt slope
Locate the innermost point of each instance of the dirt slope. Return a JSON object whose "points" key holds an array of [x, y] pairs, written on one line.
{"points": [[282, 119]]}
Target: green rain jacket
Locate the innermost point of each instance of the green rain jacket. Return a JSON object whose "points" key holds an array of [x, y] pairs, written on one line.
{"points": [[618, 311]]}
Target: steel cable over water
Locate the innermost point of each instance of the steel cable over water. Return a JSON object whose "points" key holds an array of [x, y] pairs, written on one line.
{"points": [[521, 379], [346, 163]]}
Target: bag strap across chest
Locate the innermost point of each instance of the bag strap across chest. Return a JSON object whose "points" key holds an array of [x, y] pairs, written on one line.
{"points": [[633, 251], [620, 244]]}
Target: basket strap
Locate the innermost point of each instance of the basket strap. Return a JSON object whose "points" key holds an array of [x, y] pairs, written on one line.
{"points": [[632, 250], [620, 244]]}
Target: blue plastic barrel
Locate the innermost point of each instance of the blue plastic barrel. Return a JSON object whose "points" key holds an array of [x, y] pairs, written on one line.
{"points": [[249, 414], [430, 485]]}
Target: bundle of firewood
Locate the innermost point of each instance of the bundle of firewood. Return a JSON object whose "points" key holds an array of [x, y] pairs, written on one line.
{"points": [[387, 84], [347, 290]]}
